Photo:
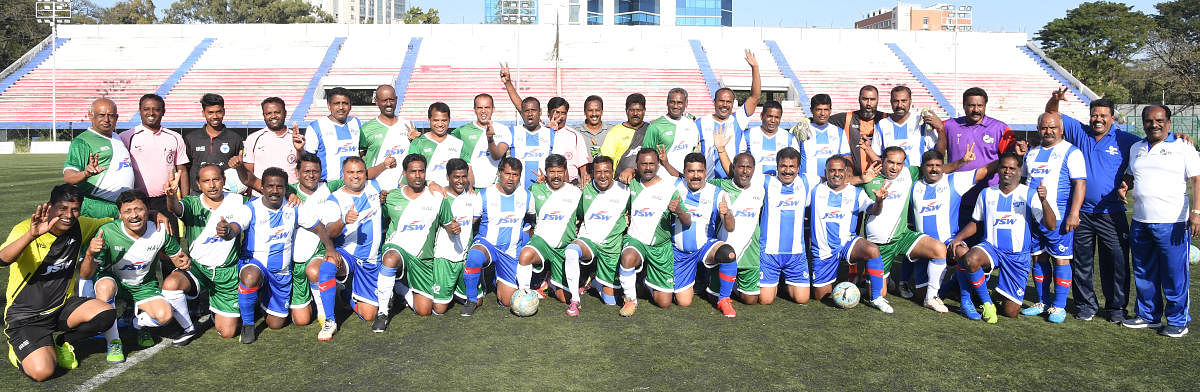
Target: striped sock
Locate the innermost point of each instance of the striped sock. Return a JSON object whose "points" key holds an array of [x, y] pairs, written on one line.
{"points": [[1039, 278], [727, 272], [247, 301], [471, 273], [979, 281], [628, 280], [1062, 285], [875, 270]]}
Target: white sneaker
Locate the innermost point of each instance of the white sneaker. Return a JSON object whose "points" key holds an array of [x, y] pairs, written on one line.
{"points": [[882, 304], [936, 304], [328, 328]]}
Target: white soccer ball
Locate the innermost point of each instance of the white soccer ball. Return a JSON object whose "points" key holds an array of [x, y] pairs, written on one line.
{"points": [[525, 303], [845, 295], [1193, 255]]}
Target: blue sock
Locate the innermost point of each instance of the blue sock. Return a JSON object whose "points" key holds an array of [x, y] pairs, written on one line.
{"points": [[608, 299], [471, 272], [979, 282], [1062, 285], [875, 271], [1039, 278], [727, 272], [326, 286], [247, 302], [964, 284]]}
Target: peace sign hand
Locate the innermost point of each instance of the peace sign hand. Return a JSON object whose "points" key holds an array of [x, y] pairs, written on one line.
{"points": [[882, 192], [505, 76], [970, 154], [93, 166]]}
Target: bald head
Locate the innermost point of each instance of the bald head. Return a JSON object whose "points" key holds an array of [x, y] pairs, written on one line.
{"points": [[103, 114], [1049, 127], [385, 100]]}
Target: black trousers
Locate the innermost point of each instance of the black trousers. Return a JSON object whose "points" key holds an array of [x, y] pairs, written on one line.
{"points": [[1109, 232]]}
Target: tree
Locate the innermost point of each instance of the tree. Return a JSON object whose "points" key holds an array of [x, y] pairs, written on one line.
{"points": [[1097, 42], [19, 29], [416, 15], [245, 11], [130, 12], [1172, 64]]}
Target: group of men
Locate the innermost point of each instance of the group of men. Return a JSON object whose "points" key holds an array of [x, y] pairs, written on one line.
{"points": [[374, 213]]}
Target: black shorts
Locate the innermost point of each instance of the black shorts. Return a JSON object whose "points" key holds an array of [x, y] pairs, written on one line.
{"points": [[29, 334]]}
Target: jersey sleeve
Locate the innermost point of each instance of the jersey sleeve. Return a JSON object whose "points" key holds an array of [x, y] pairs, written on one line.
{"points": [[977, 214], [445, 215], [1076, 168], [17, 231], [312, 137], [171, 246], [1072, 129], [877, 141], [961, 182], [1191, 162], [78, 155], [241, 217]]}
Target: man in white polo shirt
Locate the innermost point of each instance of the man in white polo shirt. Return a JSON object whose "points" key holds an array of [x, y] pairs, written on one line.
{"points": [[159, 154], [1160, 167], [273, 146]]}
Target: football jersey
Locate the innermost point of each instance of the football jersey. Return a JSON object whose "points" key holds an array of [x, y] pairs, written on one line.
{"points": [[382, 141], [111, 154], [570, 143], [464, 209], [782, 221], [746, 206], [436, 155], [131, 260], [531, 147], [502, 217], [556, 213], [200, 223], [362, 238], [649, 219], [333, 143], [703, 206], [762, 147], [912, 135], [680, 137], [602, 213], [834, 217], [1054, 167], [733, 126], [413, 221], [826, 141], [935, 206], [893, 217], [475, 150], [1006, 218], [307, 242], [270, 233]]}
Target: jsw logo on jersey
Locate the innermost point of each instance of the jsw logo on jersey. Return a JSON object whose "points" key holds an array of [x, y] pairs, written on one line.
{"points": [[532, 154], [413, 226], [441, 167], [833, 215], [682, 147], [59, 265], [930, 207], [212, 240], [746, 213], [279, 234], [347, 148], [1006, 219], [483, 153], [124, 164], [824, 151], [1039, 170], [553, 216], [787, 203], [642, 212], [600, 216], [134, 266], [462, 221], [894, 195], [394, 151], [508, 220]]}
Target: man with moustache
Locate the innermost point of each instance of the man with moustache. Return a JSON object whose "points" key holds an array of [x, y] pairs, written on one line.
{"points": [[989, 137], [485, 142], [98, 163], [594, 128], [904, 129], [603, 220], [334, 138], [765, 141], [746, 197], [215, 144], [506, 208], [696, 241], [727, 124], [386, 138], [654, 205], [623, 140], [273, 146], [860, 123], [673, 136], [438, 146]]}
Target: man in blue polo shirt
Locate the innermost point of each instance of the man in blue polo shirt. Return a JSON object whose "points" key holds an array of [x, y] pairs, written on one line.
{"points": [[1102, 221]]}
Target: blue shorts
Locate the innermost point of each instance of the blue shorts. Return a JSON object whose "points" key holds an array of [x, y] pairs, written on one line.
{"points": [[364, 278], [506, 265], [793, 268], [1058, 244], [275, 292], [1013, 270], [686, 262]]}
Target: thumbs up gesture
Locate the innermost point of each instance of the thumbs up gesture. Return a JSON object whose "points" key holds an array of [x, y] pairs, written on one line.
{"points": [[96, 244], [223, 228]]}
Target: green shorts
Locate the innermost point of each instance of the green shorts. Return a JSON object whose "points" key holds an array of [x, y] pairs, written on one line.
{"points": [[454, 278], [746, 283], [301, 291], [221, 283], [551, 257], [901, 245], [138, 294], [607, 259], [435, 279], [659, 261], [99, 208]]}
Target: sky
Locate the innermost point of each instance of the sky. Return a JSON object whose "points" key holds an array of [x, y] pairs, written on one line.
{"points": [[1026, 16]]}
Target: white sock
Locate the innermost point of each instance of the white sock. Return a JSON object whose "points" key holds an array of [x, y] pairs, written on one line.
{"points": [[936, 269], [316, 296], [628, 280], [144, 320], [111, 334], [571, 268], [179, 308], [524, 276], [87, 288], [383, 292]]}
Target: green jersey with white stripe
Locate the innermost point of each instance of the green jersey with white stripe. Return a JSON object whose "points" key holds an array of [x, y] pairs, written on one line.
{"points": [[413, 221], [134, 261], [200, 224], [557, 212]]}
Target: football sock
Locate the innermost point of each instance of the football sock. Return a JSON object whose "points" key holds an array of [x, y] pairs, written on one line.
{"points": [[964, 283], [906, 271], [405, 292], [112, 334], [145, 320], [87, 329], [608, 299], [979, 281], [325, 290], [727, 272], [936, 269], [875, 270], [571, 269], [383, 287], [179, 308], [471, 272], [628, 280], [1062, 285], [1039, 278], [247, 301], [87, 288], [524, 275]]}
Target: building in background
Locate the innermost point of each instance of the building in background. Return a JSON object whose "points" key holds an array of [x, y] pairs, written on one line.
{"points": [[610, 12], [364, 11], [941, 16]]}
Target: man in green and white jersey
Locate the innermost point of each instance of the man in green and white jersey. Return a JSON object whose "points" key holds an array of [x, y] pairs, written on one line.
{"points": [[603, 215], [889, 229], [98, 163], [414, 212], [212, 244], [654, 204], [556, 204], [386, 136], [673, 135], [123, 256], [484, 143], [454, 239], [437, 145], [746, 196]]}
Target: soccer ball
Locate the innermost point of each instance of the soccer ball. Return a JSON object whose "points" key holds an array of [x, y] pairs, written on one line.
{"points": [[845, 295], [1193, 255], [525, 303]]}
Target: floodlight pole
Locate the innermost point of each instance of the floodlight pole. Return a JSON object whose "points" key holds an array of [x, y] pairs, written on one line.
{"points": [[51, 12]]}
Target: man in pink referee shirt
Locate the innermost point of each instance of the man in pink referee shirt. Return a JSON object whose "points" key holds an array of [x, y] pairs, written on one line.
{"points": [[158, 153], [273, 146]]}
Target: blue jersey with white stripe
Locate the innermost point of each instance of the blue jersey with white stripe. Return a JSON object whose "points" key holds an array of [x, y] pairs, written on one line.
{"points": [[703, 206], [361, 238], [782, 223], [912, 135], [764, 148], [333, 143], [270, 233], [834, 216], [503, 217], [1006, 218], [935, 206], [1054, 167], [827, 140]]}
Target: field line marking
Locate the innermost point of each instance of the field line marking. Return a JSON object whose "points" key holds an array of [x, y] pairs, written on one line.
{"points": [[114, 371]]}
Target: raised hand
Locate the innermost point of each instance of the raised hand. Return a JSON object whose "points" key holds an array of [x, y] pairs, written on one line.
{"points": [[882, 192], [538, 175], [723, 208], [222, 229], [872, 170], [297, 138], [351, 216], [383, 196], [93, 166], [1041, 191], [970, 154], [721, 138], [96, 244], [1059, 94], [41, 221], [235, 161], [453, 228], [584, 177], [674, 206], [171, 187], [662, 152], [489, 132], [750, 59], [293, 200], [504, 75], [864, 142], [390, 162]]}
